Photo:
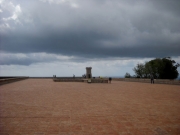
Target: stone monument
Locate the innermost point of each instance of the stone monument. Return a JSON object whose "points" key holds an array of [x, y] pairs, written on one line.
{"points": [[88, 72]]}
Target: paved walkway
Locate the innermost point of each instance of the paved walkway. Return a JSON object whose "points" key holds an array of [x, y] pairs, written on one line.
{"points": [[44, 107]]}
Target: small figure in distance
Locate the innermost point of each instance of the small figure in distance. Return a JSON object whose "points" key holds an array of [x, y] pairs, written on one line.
{"points": [[84, 76], [73, 76], [152, 79], [110, 79]]}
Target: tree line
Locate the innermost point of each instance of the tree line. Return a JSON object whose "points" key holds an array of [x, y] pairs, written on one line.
{"points": [[160, 68]]}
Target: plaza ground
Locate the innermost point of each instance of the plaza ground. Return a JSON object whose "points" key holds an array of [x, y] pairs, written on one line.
{"points": [[44, 107]]}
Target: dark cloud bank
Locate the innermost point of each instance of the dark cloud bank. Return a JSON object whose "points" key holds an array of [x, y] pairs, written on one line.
{"points": [[95, 29]]}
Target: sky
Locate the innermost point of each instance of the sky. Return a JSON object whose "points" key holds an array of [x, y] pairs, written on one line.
{"points": [[63, 37]]}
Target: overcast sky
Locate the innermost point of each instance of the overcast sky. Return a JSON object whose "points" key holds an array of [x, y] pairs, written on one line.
{"points": [[63, 37]]}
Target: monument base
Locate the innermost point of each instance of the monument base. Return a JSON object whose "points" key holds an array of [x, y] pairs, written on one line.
{"points": [[92, 80], [96, 80]]}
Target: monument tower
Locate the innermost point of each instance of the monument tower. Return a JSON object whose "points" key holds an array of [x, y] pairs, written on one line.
{"points": [[88, 72]]}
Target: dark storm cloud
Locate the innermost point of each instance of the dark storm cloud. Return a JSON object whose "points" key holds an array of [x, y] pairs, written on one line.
{"points": [[90, 45], [95, 29]]}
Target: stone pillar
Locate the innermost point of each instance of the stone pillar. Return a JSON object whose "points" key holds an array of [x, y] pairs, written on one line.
{"points": [[88, 72]]}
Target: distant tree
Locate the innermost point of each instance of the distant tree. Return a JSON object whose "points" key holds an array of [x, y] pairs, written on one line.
{"points": [[169, 69], [154, 67], [164, 68], [127, 75], [139, 70]]}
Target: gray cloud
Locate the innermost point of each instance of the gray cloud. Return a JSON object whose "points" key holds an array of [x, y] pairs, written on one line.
{"points": [[92, 29], [31, 58], [27, 59]]}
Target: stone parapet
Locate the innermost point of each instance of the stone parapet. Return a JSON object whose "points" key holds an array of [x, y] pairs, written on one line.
{"points": [[10, 80], [80, 80], [158, 81], [67, 80], [96, 80]]}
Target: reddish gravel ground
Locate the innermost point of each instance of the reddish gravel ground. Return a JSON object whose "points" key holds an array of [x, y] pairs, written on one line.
{"points": [[44, 107]]}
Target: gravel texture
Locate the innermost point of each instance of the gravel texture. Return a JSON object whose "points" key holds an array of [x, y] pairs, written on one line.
{"points": [[44, 107]]}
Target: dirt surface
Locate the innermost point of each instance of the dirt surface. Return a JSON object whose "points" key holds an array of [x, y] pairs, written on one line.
{"points": [[44, 107]]}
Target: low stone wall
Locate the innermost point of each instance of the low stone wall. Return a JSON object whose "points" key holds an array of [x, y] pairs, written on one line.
{"points": [[76, 77], [10, 80], [67, 80], [80, 80], [96, 80], [158, 81]]}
